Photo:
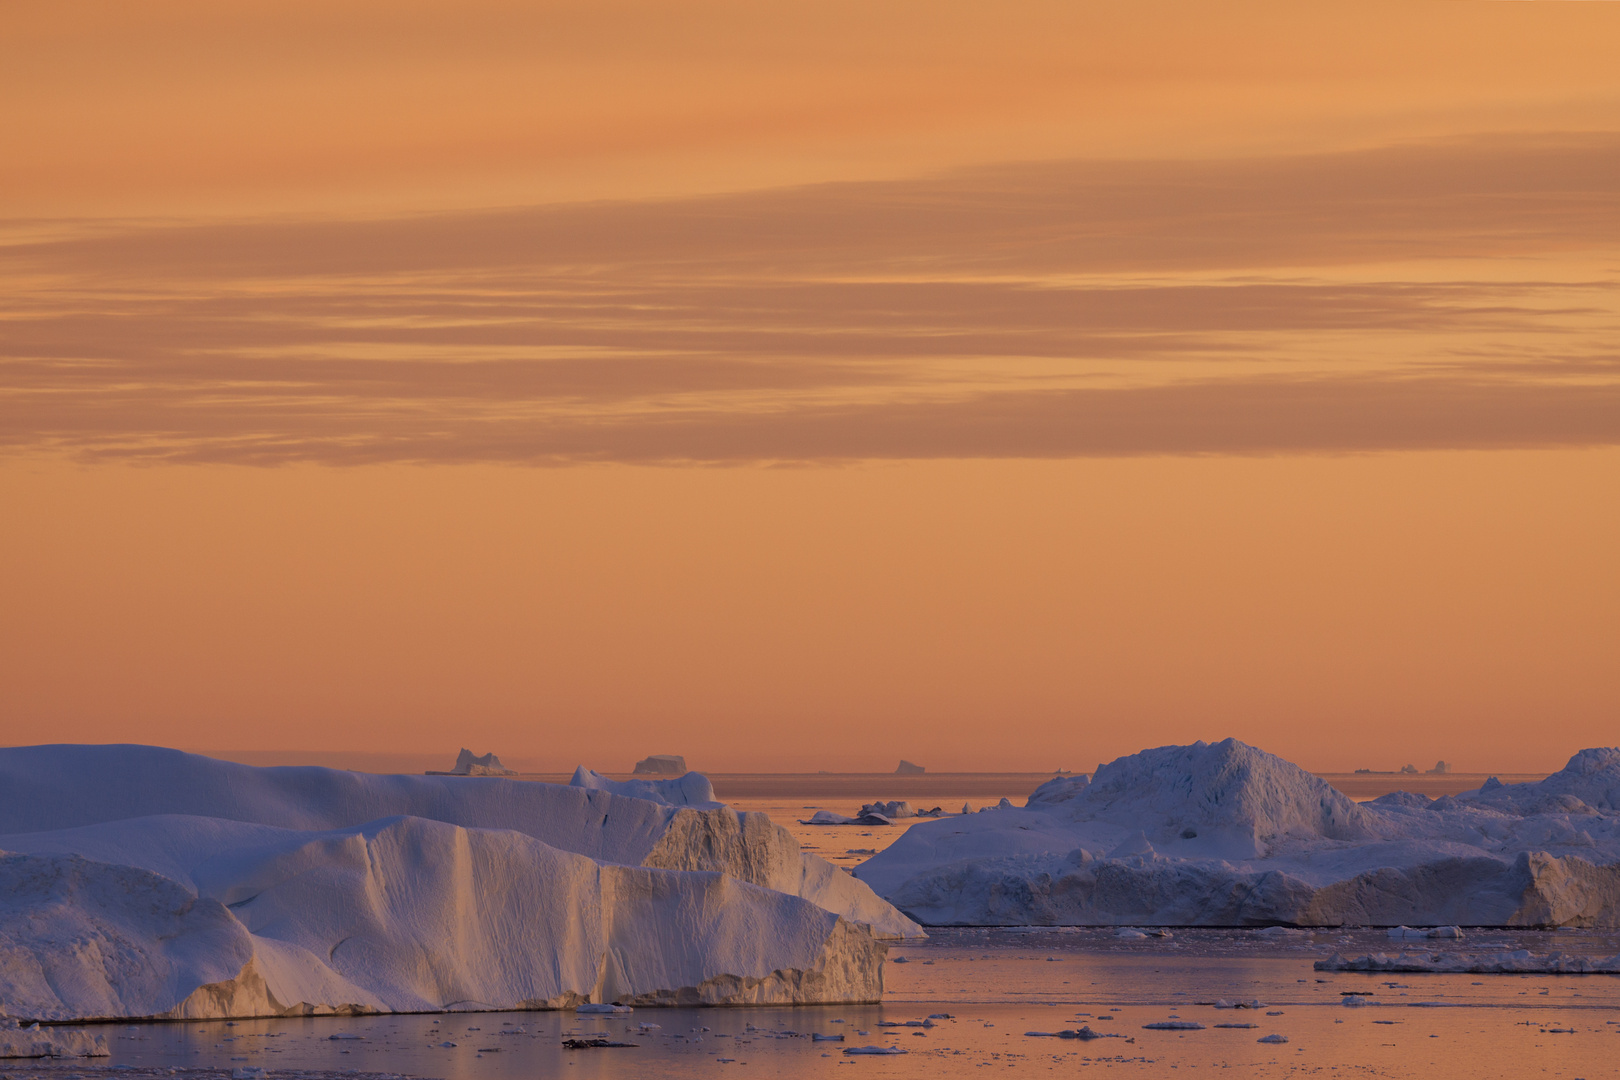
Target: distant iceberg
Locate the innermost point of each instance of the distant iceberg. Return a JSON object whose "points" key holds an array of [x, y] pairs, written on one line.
{"points": [[1228, 835], [661, 765], [142, 882], [469, 764]]}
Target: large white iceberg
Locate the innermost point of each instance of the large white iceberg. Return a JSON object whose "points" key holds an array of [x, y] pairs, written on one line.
{"points": [[141, 882], [1228, 835]]}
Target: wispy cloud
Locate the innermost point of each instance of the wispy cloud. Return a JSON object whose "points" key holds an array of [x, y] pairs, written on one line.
{"points": [[1441, 295]]}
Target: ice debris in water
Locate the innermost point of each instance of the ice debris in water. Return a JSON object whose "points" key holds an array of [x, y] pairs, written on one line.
{"points": [[1272, 1039], [1084, 1032], [1507, 962], [1407, 933], [874, 1050]]}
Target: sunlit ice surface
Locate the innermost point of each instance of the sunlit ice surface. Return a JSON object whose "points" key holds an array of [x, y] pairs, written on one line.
{"points": [[995, 986]]}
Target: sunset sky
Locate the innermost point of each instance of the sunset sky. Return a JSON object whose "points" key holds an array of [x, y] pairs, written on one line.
{"points": [[801, 387]]}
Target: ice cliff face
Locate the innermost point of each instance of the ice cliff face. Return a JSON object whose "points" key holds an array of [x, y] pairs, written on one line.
{"points": [[178, 886], [1227, 835]]}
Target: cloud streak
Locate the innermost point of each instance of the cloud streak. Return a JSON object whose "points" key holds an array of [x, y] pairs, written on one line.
{"points": [[1442, 295]]}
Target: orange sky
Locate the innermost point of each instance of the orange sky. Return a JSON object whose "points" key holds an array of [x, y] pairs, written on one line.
{"points": [[808, 387]]}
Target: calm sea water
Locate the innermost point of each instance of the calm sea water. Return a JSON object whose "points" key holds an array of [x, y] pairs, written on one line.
{"points": [[996, 986]]}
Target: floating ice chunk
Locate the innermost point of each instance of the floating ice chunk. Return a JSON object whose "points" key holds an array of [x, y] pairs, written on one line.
{"points": [[1174, 1025], [1408, 933], [819, 1037], [17, 1041], [1272, 1039], [874, 1050], [1510, 962], [1126, 933], [827, 817], [1237, 1025], [603, 1007]]}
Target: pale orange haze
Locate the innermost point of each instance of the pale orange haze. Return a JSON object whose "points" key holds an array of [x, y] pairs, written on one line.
{"points": [[802, 387]]}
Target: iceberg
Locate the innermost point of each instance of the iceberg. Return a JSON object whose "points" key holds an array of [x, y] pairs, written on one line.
{"points": [[1225, 834], [661, 765], [470, 764], [138, 882]]}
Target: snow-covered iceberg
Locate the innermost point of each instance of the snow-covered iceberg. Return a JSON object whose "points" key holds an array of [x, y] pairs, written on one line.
{"points": [[141, 882], [1228, 835]]}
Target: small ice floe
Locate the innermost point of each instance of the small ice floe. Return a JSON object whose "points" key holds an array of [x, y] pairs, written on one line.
{"points": [[874, 1050], [345, 1035], [1252, 1003], [446, 1045], [907, 1023], [247, 1072], [1237, 1025], [603, 1007], [826, 817], [1084, 1032], [933, 1016], [1174, 1025], [1514, 962], [649, 1027], [1272, 1039], [594, 1042], [1126, 933], [1409, 933], [1281, 932], [900, 960], [819, 1037]]}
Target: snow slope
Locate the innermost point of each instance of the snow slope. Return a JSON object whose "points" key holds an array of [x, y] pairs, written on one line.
{"points": [[302, 893], [1228, 835]]}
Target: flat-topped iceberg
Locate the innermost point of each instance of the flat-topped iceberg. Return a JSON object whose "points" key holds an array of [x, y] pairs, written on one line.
{"points": [[141, 882], [1228, 835]]}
